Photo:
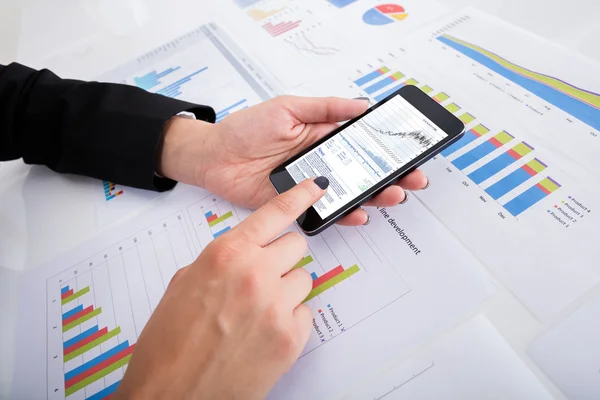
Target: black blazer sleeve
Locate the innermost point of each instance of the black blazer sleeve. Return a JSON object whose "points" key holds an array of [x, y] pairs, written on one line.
{"points": [[102, 130]]}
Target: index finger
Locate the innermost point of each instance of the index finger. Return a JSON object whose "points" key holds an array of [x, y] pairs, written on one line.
{"points": [[276, 215]]}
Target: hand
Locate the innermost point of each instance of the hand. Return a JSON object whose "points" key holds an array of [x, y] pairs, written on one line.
{"points": [[234, 157], [233, 322]]}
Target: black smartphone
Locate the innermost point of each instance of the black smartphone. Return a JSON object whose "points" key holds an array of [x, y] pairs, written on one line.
{"points": [[369, 153]]}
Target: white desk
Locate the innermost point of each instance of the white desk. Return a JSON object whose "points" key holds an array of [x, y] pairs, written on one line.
{"points": [[43, 214]]}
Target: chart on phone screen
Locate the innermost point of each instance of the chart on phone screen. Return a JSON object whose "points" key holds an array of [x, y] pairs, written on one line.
{"points": [[85, 311], [510, 175]]}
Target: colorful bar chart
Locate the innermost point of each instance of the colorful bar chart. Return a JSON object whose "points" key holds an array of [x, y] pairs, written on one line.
{"points": [[304, 262], [280, 28], [499, 163], [152, 79], [174, 89], [531, 196], [390, 80], [214, 220], [371, 76], [85, 373], [466, 118], [109, 191], [467, 138], [330, 279], [482, 150], [580, 103], [385, 94], [515, 178], [240, 105]]}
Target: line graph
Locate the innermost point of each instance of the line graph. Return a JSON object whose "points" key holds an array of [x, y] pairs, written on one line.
{"points": [[303, 43], [420, 137]]}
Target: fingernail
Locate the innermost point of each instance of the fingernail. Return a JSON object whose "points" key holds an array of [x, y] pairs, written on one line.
{"points": [[363, 98], [426, 186], [322, 182], [368, 220], [405, 198]]}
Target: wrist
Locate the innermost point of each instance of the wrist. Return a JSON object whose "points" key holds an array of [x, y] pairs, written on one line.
{"points": [[184, 150]]}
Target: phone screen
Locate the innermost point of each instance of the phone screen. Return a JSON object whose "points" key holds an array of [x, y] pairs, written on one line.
{"points": [[366, 152]]}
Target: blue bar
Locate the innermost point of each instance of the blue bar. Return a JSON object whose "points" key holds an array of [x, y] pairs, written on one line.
{"points": [[389, 92], [64, 290], [507, 183], [105, 392], [151, 79], [368, 78], [577, 108], [474, 155], [110, 197], [314, 276], [467, 138], [239, 103], [180, 82], [222, 231], [72, 312], [208, 214], [492, 168], [81, 336], [341, 3], [220, 118], [95, 361], [525, 200], [380, 85]]}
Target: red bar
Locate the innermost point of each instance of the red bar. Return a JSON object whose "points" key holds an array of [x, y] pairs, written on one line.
{"points": [[543, 189], [85, 341], [99, 367], [514, 154], [78, 315], [529, 170], [280, 28], [107, 397], [331, 274], [66, 294], [474, 132], [289, 27], [212, 218], [495, 142]]}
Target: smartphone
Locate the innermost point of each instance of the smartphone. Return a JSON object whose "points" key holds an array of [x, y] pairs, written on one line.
{"points": [[365, 155]]}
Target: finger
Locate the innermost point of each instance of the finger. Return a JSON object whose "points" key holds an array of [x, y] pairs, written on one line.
{"points": [[416, 180], [391, 196], [323, 109], [272, 218], [355, 218], [303, 317], [295, 287], [286, 252]]}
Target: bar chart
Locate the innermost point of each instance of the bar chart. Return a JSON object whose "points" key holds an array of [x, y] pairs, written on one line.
{"points": [[531, 196], [212, 217], [280, 28], [514, 179], [98, 308], [240, 105], [173, 89], [110, 191], [482, 150], [499, 163]]}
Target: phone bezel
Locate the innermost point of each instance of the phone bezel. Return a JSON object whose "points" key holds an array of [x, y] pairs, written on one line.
{"points": [[310, 222]]}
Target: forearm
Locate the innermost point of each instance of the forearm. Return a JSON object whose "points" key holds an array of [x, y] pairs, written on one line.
{"points": [[106, 131]]}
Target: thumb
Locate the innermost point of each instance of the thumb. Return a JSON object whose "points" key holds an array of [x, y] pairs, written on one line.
{"points": [[323, 109]]}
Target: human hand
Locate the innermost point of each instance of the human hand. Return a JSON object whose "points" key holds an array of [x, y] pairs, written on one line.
{"points": [[234, 157], [230, 324]]}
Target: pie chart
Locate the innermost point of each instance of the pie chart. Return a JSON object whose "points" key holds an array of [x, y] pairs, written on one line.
{"points": [[385, 14]]}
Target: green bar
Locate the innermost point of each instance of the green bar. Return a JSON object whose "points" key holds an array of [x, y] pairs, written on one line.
{"points": [[82, 319], [93, 344], [411, 81], [220, 219], [504, 137], [332, 282], [441, 96], [522, 149], [550, 185], [98, 375], [452, 107], [76, 295], [384, 70], [305, 261], [536, 165], [397, 75], [482, 130], [427, 89], [466, 118]]}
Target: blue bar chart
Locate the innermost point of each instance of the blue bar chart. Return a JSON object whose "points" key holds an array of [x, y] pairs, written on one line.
{"points": [[468, 137], [516, 178], [152, 79], [499, 163], [531, 196], [482, 150], [240, 105]]}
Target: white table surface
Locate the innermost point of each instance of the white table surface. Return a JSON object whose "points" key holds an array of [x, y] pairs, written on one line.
{"points": [[43, 214]]}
